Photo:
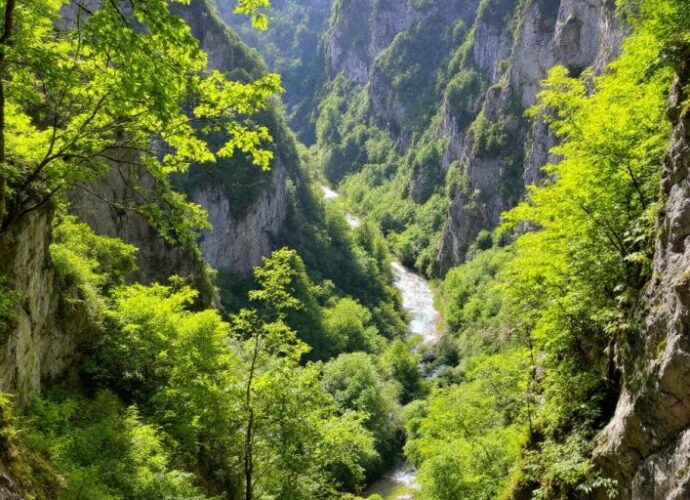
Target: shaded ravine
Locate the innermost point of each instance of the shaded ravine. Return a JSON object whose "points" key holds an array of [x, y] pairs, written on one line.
{"points": [[418, 302]]}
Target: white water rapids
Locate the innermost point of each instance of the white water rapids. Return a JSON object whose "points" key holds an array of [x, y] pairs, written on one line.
{"points": [[418, 301]]}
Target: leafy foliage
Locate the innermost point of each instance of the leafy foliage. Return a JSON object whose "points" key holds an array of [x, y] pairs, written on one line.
{"points": [[81, 96], [103, 450], [534, 322], [212, 390], [356, 384]]}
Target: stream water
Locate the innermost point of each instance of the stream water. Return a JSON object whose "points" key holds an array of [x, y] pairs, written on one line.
{"points": [[418, 301]]}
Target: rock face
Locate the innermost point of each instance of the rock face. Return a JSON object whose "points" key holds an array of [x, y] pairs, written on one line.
{"points": [[37, 347], [45, 339], [574, 33], [360, 30], [238, 243], [363, 32], [646, 446], [100, 205], [225, 50]]}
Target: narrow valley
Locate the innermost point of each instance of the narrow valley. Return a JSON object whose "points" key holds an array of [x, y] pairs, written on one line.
{"points": [[423, 323], [344, 250]]}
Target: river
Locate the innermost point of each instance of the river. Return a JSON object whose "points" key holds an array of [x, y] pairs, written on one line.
{"points": [[418, 301]]}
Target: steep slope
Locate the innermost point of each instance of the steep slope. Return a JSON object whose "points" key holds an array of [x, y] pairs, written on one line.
{"points": [[246, 207], [34, 346], [645, 446], [292, 47], [247, 210], [572, 33], [448, 85]]}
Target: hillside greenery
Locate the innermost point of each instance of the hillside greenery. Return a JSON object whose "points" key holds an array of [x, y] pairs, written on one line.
{"points": [[534, 321], [292, 47], [301, 381]]}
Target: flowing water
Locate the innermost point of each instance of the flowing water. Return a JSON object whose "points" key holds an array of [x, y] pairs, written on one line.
{"points": [[418, 301], [328, 193]]}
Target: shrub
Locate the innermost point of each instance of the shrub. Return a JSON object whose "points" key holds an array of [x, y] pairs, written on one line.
{"points": [[462, 95]]}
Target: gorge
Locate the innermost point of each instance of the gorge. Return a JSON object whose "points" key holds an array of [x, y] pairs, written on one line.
{"points": [[344, 249]]}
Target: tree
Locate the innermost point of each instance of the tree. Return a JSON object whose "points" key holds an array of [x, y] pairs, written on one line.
{"points": [[233, 398], [356, 385], [85, 86], [347, 326], [295, 444], [402, 365], [469, 437]]}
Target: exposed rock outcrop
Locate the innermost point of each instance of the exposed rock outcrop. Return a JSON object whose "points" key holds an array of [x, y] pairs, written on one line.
{"points": [[574, 33], [238, 243], [107, 205], [38, 347], [359, 31], [41, 343], [362, 32], [645, 445]]}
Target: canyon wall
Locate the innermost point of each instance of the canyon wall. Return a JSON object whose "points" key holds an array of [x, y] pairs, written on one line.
{"points": [[646, 445], [574, 33], [45, 339], [457, 77]]}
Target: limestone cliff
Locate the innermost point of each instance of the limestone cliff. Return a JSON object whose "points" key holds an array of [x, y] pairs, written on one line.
{"points": [[237, 243], [368, 40], [239, 238], [574, 33], [37, 347], [646, 446]]}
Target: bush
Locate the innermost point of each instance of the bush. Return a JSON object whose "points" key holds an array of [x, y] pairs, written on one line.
{"points": [[88, 265], [400, 364], [462, 94], [489, 137], [103, 450], [348, 327], [356, 385]]}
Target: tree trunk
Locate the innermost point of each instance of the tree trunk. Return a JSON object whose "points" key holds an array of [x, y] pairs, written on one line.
{"points": [[4, 39], [249, 434], [3, 181], [248, 459]]}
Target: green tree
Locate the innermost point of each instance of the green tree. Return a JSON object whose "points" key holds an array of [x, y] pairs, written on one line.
{"points": [[401, 364], [294, 443], [348, 327], [468, 439], [356, 385], [84, 87]]}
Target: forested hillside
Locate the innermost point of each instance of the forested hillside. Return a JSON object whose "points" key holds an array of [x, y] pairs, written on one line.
{"points": [[320, 249]]}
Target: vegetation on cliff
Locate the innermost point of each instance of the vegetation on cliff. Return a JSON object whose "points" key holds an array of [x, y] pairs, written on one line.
{"points": [[300, 382]]}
